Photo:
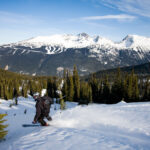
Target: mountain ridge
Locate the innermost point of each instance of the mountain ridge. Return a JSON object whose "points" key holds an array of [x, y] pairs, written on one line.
{"points": [[45, 55], [142, 70], [83, 40]]}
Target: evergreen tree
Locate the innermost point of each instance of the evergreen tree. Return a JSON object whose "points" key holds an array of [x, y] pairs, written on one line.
{"points": [[55, 87], [49, 87], [129, 89], [6, 94], [10, 90], [65, 88], [146, 96], [106, 91], [90, 94], [62, 103], [85, 93], [70, 87], [52, 87], [76, 82], [3, 133], [24, 90], [135, 89], [117, 88], [96, 90], [125, 89], [16, 92]]}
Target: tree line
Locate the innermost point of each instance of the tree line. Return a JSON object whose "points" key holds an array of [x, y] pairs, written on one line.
{"points": [[123, 87], [13, 85], [128, 87]]}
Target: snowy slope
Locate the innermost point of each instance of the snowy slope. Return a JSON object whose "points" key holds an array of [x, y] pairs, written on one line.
{"points": [[136, 42], [66, 41], [122, 126]]}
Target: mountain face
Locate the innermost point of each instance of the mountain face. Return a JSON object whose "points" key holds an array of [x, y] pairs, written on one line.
{"points": [[49, 55]]}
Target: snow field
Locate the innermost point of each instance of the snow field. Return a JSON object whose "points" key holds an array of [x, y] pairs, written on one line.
{"points": [[115, 127]]}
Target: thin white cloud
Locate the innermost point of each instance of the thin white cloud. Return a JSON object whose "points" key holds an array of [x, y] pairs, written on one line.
{"points": [[113, 17], [13, 18], [139, 7]]}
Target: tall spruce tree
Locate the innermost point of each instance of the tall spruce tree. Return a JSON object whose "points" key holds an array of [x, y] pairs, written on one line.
{"points": [[6, 94], [146, 95], [117, 88], [50, 87], [85, 93], [16, 92], [96, 90], [10, 90], [65, 88], [135, 95], [70, 87], [129, 89], [24, 90], [76, 82], [106, 90]]}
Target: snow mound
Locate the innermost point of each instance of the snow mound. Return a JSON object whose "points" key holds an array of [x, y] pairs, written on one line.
{"points": [[96, 115]]}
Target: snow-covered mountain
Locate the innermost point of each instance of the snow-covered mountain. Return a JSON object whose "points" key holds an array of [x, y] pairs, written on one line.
{"points": [[83, 40], [89, 53]]}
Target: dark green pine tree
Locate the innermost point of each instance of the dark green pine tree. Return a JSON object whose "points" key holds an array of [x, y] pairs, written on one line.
{"points": [[141, 89], [117, 88], [55, 87], [50, 91], [106, 91], [146, 96], [76, 82], [24, 90], [85, 92], [52, 87], [6, 94], [38, 87], [70, 87], [16, 91], [33, 88], [3, 132], [129, 89], [10, 90], [96, 90], [125, 88], [135, 94], [90, 94], [65, 88]]}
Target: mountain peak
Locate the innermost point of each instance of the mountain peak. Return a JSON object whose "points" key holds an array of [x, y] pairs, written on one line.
{"points": [[83, 34], [136, 41]]}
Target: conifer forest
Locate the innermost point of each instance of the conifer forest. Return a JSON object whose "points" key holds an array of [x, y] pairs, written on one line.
{"points": [[107, 89]]}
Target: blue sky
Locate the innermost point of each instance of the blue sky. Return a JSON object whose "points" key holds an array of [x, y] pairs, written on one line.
{"points": [[113, 19]]}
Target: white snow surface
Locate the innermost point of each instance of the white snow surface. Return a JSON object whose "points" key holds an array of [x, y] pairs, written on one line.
{"points": [[83, 40], [120, 126]]}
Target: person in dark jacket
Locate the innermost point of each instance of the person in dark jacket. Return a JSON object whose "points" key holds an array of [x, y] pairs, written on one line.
{"points": [[43, 105]]}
